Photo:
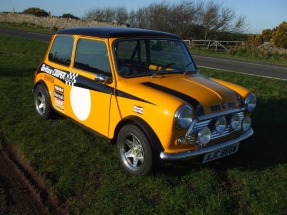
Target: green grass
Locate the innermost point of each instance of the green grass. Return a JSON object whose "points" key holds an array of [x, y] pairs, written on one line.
{"points": [[85, 173]]}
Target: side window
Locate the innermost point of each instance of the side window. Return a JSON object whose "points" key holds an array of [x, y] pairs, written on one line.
{"points": [[92, 56], [61, 51]]}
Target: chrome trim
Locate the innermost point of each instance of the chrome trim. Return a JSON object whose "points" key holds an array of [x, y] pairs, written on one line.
{"points": [[178, 112], [213, 115], [191, 135], [204, 150], [247, 102]]}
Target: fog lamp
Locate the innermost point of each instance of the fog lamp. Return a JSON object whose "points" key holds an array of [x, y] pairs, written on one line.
{"points": [[220, 125], [235, 121], [246, 123], [204, 135]]}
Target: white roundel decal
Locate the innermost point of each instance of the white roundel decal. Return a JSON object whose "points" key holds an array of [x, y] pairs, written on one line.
{"points": [[81, 102]]}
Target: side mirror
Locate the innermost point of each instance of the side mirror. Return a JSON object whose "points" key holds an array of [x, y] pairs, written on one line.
{"points": [[102, 79]]}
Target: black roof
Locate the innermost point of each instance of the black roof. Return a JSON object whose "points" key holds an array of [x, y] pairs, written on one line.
{"points": [[113, 32]]}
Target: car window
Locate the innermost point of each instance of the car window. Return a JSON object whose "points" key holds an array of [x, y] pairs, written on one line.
{"points": [[142, 57], [92, 56], [61, 50]]}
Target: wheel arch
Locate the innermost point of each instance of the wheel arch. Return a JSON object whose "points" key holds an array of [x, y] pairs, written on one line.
{"points": [[41, 82], [144, 126]]}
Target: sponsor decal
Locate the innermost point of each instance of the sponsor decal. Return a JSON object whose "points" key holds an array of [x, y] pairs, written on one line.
{"points": [[58, 89], [138, 109], [70, 78], [59, 102], [59, 96], [49, 78], [54, 72]]}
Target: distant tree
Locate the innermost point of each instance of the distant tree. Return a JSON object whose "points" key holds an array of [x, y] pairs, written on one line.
{"points": [[95, 15], [36, 12], [69, 16], [279, 35], [101, 14], [121, 15], [188, 19]]}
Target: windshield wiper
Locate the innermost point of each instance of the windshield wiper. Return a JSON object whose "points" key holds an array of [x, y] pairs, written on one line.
{"points": [[163, 68], [188, 71]]}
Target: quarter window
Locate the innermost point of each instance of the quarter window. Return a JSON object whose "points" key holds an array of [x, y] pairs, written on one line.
{"points": [[92, 56], [61, 51]]}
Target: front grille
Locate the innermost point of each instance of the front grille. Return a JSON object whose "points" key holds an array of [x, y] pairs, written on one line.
{"points": [[191, 137]]}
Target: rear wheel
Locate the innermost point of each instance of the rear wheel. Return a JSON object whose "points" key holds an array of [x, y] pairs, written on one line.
{"points": [[134, 150], [42, 102]]}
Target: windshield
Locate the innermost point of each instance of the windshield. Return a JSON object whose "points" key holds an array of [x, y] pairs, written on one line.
{"points": [[144, 57]]}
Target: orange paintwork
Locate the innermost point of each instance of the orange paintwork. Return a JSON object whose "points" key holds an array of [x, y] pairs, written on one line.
{"points": [[155, 107]]}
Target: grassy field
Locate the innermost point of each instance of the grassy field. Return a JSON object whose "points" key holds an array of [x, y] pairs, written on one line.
{"points": [[85, 173]]}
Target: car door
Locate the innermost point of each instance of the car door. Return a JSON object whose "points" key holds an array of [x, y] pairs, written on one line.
{"points": [[90, 100]]}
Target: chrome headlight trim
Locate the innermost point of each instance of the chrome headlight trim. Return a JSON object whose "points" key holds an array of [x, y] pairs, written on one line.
{"points": [[250, 102], [183, 117]]}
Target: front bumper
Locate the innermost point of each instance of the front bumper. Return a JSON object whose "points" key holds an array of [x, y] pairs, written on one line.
{"points": [[204, 150]]}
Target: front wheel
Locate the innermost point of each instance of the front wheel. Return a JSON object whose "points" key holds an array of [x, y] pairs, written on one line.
{"points": [[134, 150]]}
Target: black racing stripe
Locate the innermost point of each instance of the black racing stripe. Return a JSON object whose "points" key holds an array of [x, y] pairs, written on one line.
{"points": [[129, 96], [86, 83], [89, 84], [193, 102]]}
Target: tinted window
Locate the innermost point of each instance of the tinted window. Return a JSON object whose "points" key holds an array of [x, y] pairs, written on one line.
{"points": [[61, 51], [92, 56]]}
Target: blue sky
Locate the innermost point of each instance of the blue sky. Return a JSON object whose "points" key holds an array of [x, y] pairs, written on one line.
{"points": [[259, 14]]}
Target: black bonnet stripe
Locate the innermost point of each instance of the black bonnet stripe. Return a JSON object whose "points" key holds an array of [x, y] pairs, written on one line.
{"points": [[193, 102], [129, 96]]}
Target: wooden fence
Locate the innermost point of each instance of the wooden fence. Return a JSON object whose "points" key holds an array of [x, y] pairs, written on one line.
{"points": [[213, 44]]}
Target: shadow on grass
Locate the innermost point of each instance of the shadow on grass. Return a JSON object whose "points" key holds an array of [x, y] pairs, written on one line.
{"points": [[265, 149], [17, 72]]}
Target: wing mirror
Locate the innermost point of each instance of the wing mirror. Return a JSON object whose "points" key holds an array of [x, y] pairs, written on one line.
{"points": [[102, 79]]}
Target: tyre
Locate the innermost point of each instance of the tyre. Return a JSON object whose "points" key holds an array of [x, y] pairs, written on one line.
{"points": [[134, 150], [42, 102]]}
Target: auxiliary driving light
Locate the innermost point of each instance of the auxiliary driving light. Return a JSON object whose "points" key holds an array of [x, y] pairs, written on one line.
{"points": [[246, 123], [204, 135], [235, 121], [220, 125]]}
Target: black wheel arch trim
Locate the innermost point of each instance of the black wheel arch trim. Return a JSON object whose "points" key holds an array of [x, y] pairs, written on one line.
{"points": [[41, 82], [154, 140]]}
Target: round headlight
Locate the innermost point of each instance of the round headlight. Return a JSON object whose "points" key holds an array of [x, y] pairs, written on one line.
{"points": [[220, 125], [246, 123], [235, 121], [183, 117], [204, 135], [250, 102]]}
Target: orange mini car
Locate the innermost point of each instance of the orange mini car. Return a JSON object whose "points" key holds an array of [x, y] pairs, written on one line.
{"points": [[141, 89]]}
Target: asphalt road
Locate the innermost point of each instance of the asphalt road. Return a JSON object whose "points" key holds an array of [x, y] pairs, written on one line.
{"points": [[276, 71]]}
